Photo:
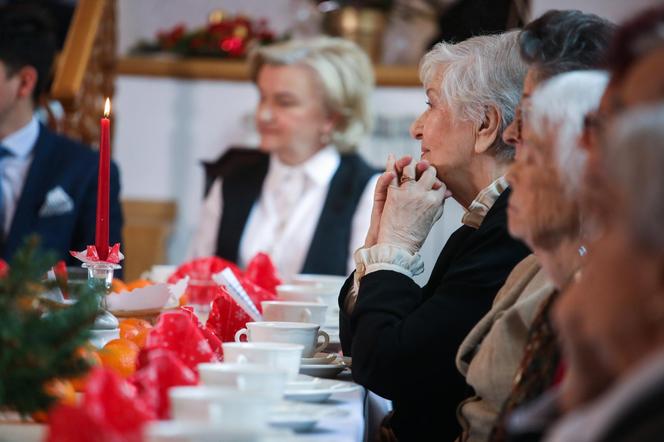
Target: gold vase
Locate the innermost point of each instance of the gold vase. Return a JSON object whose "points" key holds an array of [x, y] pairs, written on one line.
{"points": [[364, 26]]}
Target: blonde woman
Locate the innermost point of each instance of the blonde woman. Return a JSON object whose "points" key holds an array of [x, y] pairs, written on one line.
{"points": [[305, 196]]}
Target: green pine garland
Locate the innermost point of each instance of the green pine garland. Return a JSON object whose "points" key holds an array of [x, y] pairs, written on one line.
{"points": [[39, 340]]}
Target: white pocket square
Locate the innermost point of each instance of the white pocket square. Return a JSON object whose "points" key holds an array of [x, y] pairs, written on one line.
{"points": [[57, 203]]}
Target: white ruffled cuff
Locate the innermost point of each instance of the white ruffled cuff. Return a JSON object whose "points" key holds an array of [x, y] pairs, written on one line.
{"points": [[387, 257], [381, 257]]}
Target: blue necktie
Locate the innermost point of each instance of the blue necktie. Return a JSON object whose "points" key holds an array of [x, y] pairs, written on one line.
{"points": [[4, 153]]}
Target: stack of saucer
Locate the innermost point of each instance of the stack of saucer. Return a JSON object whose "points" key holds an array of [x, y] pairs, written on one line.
{"points": [[322, 365]]}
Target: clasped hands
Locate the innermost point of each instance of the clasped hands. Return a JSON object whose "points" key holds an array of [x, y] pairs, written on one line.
{"points": [[408, 200]]}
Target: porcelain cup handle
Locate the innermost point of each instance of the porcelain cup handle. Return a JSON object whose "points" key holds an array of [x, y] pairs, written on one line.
{"points": [[241, 332], [322, 345], [305, 316]]}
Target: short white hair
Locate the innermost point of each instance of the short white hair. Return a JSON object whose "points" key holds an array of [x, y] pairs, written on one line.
{"points": [[482, 71], [557, 111], [344, 72], [635, 160]]}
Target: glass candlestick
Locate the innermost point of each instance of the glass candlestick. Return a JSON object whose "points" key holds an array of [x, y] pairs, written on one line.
{"points": [[201, 293], [100, 276]]}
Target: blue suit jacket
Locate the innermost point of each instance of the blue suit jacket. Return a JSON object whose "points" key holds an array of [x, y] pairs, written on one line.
{"points": [[59, 161]]}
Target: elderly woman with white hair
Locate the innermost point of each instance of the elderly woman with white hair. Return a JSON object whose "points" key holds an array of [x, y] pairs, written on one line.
{"points": [[517, 361], [557, 42], [403, 338], [305, 196], [615, 309]]}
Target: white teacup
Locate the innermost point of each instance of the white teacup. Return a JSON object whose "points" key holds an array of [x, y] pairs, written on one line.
{"points": [[294, 311], [308, 293], [267, 381], [230, 407], [276, 355], [333, 282], [303, 333]]}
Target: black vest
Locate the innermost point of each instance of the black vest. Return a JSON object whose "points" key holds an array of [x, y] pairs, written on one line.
{"points": [[243, 172]]}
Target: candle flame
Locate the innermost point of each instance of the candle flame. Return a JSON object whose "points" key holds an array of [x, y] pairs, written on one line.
{"points": [[107, 108]]}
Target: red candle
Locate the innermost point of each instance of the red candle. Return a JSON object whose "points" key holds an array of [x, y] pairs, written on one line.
{"points": [[103, 184]]}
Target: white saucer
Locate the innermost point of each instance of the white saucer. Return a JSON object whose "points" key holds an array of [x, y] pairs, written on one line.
{"points": [[293, 421], [301, 417], [319, 358], [322, 370], [309, 389]]}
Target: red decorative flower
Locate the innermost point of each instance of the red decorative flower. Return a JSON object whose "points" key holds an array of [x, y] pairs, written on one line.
{"points": [[90, 255]]}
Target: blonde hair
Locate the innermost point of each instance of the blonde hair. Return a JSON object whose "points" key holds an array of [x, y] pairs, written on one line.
{"points": [[345, 73]]}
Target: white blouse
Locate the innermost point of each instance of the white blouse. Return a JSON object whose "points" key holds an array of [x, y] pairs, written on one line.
{"points": [[283, 220]]}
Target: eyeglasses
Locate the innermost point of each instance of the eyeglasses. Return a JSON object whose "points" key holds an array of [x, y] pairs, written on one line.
{"points": [[518, 119], [520, 115]]}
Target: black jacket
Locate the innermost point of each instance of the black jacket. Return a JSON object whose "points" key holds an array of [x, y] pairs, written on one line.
{"points": [[62, 165], [403, 339]]}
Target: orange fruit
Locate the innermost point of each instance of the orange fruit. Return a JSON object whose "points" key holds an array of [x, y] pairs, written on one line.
{"points": [[120, 356], [63, 392], [138, 284], [93, 359], [118, 285], [136, 330]]}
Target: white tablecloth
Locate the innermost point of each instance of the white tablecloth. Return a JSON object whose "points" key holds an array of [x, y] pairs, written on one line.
{"points": [[365, 412]]}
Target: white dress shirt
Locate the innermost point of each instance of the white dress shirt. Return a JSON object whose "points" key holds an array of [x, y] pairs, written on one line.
{"points": [[14, 168], [283, 220]]}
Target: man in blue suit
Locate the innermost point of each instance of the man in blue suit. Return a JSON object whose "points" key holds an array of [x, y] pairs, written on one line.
{"points": [[48, 183]]}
